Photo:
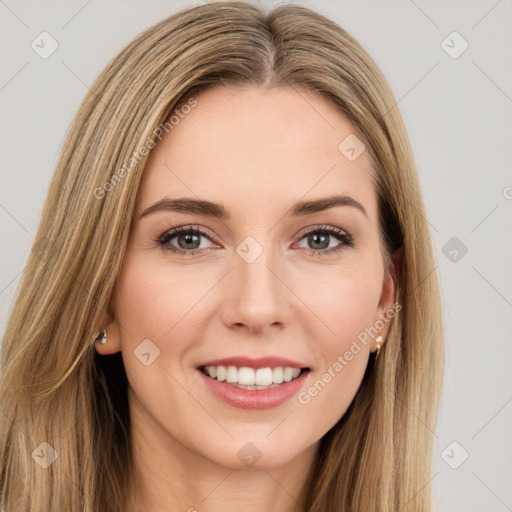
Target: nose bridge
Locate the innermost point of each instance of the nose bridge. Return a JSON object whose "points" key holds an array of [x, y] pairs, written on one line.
{"points": [[257, 294]]}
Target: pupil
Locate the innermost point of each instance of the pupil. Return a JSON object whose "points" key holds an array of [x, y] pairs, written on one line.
{"points": [[312, 238], [188, 239]]}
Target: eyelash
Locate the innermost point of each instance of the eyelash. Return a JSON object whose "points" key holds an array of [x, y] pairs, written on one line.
{"points": [[345, 239]]}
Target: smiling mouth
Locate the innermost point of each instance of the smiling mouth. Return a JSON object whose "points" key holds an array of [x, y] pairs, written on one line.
{"points": [[251, 378]]}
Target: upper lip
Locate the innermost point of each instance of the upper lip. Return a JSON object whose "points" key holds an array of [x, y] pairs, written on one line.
{"points": [[251, 362]]}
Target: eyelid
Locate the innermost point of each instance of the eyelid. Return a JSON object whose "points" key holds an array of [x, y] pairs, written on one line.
{"points": [[320, 227], [175, 231]]}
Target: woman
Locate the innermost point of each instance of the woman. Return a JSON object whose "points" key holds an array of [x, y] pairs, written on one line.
{"points": [[290, 358]]}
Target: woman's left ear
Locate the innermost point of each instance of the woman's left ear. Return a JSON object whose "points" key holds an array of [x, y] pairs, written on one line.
{"points": [[387, 298], [397, 264]]}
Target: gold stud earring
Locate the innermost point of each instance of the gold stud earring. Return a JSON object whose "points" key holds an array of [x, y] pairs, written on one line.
{"points": [[379, 341], [101, 337]]}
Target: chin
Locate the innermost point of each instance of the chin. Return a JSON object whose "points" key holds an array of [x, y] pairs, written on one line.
{"points": [[256, 453]]}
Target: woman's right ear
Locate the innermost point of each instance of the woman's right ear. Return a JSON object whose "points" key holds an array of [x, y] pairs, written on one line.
{"points": [[113, 342]]}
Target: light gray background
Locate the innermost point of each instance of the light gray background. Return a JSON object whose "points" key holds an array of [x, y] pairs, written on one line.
{"points": [[458, 114]]}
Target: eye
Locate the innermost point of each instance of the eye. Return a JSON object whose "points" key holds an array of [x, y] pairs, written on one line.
{"points": [[186, 238], [321, 237]]}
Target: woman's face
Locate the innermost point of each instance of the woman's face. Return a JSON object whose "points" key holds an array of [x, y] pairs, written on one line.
{"points": [[273, 277]]}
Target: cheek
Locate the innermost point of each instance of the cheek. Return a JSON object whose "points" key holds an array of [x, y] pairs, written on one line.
{"points": [[350, 309], [154, 308], [152, 302], [345, 303]]}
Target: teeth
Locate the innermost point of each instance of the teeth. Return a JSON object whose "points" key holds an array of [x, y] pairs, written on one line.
{"points": [[277, 375], [263, 377], [231, 374], [246, 376], [250, 378], [288, 374], [221, 372]]}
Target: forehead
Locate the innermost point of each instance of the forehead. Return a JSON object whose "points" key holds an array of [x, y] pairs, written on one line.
{"points": [[249, 146]]}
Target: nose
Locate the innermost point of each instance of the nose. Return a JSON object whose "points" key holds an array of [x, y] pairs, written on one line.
{"points": [[255, 296]]}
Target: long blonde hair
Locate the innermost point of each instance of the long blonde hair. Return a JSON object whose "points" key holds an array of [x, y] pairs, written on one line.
{"points": [[56, 389]]}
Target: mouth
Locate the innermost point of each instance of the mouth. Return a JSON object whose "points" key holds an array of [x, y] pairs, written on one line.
{"points": [[246, 377], [248, 382]]}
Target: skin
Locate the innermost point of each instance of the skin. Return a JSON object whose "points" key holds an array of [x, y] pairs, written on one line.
{"points": [[257, 152]]}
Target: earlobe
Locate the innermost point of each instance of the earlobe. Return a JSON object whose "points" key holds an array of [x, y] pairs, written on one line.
{"points": [[106, 340], [378, 341]]}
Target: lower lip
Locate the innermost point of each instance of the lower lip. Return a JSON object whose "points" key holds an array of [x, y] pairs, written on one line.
{"points": [[254, 398]]}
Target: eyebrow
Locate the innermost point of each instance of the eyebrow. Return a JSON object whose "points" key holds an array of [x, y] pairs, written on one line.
{"points": [[218, 211]]}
